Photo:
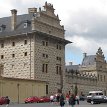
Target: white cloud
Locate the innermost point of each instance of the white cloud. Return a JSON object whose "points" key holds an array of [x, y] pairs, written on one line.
{"points": [[20, 5], [85, 21]]}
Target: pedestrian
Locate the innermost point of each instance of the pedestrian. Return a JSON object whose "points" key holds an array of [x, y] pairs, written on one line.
{"points": [[72, 100], [77, 99], [57, 98], [7, 101], [62, 103], [52, 98], [67, 98]]}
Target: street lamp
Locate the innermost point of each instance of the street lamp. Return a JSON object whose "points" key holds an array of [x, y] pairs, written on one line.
{"points": [[76, 88], [18, 92], [61, 77]]}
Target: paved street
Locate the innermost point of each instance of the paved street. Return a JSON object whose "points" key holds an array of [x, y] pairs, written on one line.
{"points": [[82, 104]]}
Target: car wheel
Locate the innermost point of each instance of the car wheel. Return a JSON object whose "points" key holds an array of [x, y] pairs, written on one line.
{"points": [[92, 102]]}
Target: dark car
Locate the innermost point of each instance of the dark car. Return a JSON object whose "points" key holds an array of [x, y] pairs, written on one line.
{"points": [[4, 100], [82, 98], [44, 99], [32, 99]]}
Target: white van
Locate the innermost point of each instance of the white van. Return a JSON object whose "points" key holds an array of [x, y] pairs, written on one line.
{"points": [[95, 97]]}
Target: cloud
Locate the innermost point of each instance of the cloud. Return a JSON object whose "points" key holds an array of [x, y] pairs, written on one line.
{"points": [[20, 5], [85, 22]]}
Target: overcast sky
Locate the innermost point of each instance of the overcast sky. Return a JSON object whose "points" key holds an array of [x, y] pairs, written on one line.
{"points": [[85, 22]]}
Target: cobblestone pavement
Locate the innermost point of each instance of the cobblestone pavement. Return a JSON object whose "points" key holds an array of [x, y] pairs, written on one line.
{"points": [[82, 104]]}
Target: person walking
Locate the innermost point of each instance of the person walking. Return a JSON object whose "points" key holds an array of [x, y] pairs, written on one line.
{"points": [[7, 101], [52, 98], [67, 98], [58, 97], [72, 100], [61, 100], [77, 99]]}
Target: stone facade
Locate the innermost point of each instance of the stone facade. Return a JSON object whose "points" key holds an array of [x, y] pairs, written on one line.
{"points": [[32, 46]]}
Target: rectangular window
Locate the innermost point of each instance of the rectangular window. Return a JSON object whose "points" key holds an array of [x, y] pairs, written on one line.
{"points": [[13, 43], [58, 46], [1, 29], [58, 69], [25, 42], [2, 56], [25, 54], [98, 77], [13, 55], [104, 78], [58, 58], [101, 77], [45, 43], [45, 68], [46, 89], [2, 45], [45, 55]]}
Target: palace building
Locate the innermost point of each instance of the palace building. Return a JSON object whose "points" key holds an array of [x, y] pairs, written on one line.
{"points": [[32, 58], [32, 53]]}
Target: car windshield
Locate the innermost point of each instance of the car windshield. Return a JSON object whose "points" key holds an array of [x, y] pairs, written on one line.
{"points": [[95, 93]]}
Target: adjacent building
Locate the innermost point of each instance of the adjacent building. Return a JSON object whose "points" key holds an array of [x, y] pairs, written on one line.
{"points": [[90, 75]]}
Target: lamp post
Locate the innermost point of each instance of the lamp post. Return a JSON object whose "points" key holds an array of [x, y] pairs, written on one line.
{"points": [[76, 88], [61, 77], [18, 92]]}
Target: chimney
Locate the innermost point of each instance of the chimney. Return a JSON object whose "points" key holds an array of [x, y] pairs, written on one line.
{"points": [[13, 19], [33, 23], [84, 55], [32, 10], [70, 63]]}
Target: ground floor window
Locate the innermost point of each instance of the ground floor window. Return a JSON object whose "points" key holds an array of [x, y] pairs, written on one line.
{"points": [[46, 89]]}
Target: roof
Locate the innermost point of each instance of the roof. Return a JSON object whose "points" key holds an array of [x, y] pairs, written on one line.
{"points": [[89, 60], [72, 67], [20, 25]]}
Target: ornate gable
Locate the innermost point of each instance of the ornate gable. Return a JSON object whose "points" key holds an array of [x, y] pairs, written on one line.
{"points": [[100, 56]]}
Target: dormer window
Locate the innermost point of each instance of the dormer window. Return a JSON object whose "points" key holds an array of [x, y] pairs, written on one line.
{"points": [[27, 23], [2, 28]]}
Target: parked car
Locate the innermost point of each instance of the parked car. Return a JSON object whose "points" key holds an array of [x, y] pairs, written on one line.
{"points": [[105, 99], [44, 99], [96, 97], [32, 99], [4, 100], [82, 98]]}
